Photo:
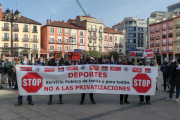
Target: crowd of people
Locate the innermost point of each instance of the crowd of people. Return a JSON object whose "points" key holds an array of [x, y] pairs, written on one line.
{"points": [[8, 68]]}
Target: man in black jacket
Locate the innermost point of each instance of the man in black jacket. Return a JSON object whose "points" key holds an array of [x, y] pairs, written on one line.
{"points": [[87, 61]]}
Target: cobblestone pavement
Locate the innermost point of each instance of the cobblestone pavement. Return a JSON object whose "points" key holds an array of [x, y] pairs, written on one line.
{"points": [[107, 107]]}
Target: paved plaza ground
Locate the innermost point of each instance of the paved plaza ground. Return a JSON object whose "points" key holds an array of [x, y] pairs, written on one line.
{"points": [[107, 107]]}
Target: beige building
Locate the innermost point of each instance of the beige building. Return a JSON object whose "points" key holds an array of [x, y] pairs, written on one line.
{"points": [[26, 35]]}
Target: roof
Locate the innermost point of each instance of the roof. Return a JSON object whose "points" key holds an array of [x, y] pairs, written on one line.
{"points": [[64, 25], [169, 19], [21, 19], [119, 23], [86, 16], [109, 30]]}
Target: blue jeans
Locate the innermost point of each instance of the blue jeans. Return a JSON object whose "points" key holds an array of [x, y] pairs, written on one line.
{"points": [[172, 90], [29, 98]]}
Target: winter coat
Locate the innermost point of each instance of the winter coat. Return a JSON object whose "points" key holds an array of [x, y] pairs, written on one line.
{"points": [[39, 64], [164, 68], [1, 68], [172, 73], [10, 67]]}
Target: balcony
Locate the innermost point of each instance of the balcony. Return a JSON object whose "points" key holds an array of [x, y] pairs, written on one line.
{"points": [[170, 51], [163, 51], [140, 43], [105, 39], [34, 31], [121, 46], [110, 46], [152, 45], [89, 29], [105, 46], [152, 38], [94, 37], [157, 51], [152, 31], [100, 45], [177, 42], [101, 30], [170, 42], [51, 41], [59, 42], [157, 37], [25, 30], [164, 28], [16, 39], [25, 39], [170, 35], [157, 44], [5, 29], [164, 43], [35, 40], [178, 34], [141, 31], [90, 44], [66, 42], [15, 29], [34, 49], [115, 46], [94, 45], [141, 37], [81, 36], [5, 38], [178, 26], [100, 38], [81, 44], [164, 36], [90, 37], [157, 30], [74, 43], [94, 30], [170, 27]]}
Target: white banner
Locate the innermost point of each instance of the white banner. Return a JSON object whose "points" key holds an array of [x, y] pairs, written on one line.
{"points": [[111, 79]]}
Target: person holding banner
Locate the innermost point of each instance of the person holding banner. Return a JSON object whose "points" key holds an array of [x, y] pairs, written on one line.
{"points": [[56, 63], [87, 61], [40, 62], [29, 97], [145, 63]]}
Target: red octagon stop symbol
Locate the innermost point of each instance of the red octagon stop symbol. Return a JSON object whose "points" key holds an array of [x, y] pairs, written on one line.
{"points": [[142, 83], [32, 82]]}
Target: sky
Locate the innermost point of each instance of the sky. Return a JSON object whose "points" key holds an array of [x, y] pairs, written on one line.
{"points": [[110, 12]]}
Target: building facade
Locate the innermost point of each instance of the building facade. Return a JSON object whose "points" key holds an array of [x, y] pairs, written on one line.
{"points": [[26, 36], [136, 33], [176, 35], [61, 36]]}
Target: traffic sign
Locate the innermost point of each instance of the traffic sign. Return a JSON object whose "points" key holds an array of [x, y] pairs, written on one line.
{"points": [[142, 83], [32, 82]]}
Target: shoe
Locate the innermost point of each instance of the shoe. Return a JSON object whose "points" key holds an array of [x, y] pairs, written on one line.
{"points": [[8, 86], [15, 88], [18, 103], [31, 103], [93, 102], [12, 87], [168, 91], [141, 102], [121, 102], [169, 99], [148, 102], [81, 102], [126, 102], [60, 102], [49, 102], [177, 100]]}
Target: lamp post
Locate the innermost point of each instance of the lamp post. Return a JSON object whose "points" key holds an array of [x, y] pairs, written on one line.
{"points": [[11, 17]]}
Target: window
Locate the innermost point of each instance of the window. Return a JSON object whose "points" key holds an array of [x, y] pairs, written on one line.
{"points": [[130, 34], [25, 37], [178, 48], [106, 50], [16, 37], [130, 28], [66, 48], [82, 47], [170, 41], [66, 32], [59, 48], [81, 40], [51, 30], [152, 42], [130, 22], [110, 38], [74, 41], [115, 50], [164, 42], [94, 28], [105, 37], [170, 24], [6, 26], [51, 47], [15, 45], [34, 47], [157, 49], [67, 40], [90, 35], [94, 48], [25, 45], [5, 44], [73, 48], [157, 41], [110, 49], [35, 28], [152, 28], [59, 31], [59, 40], [94, 34], [157, 27], [100, 35], [110, 44], [170, 48], [25, 28], [15, 26], [73, 33], [100, 49], [105, 43], [81, 33], [152, 35], [178, 22], [119, 50], [116, 38], [164, 33], [90, 27], [6, 36], [89, 49], [34, 37], [120, 38]]}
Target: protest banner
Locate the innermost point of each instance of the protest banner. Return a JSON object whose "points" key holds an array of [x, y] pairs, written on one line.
{"points": [[141, 53], [111, 79], [74, 55], [57, 54]]}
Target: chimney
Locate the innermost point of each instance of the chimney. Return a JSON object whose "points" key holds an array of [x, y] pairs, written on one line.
{"points": [[47, 21], [0, 12], [62, 21], [50, 20]]}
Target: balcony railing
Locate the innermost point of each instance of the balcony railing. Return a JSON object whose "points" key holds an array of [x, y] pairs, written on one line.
{"points": [[157, 44], [152, 31], [164, 28], [34, 49], [164, 43], [152, 38], [140, 37], [110, 40], [100, 45], [5, 29], [105, 46], [141, 31], [110, 46], [178, 26], [157, 37], [59, 42], [80, 44], [15, 29], [94, 45], [163, 51], [90, 44], [170, 27], [115, 46], [16, 39], [74, 43], [157, 51], [25, 39], [34, 40], [94, 30], [34, 31], [177, 42], [170, 43], [121, 46], [163, 36], [105, 39], [25, 30], [100, 30], [140, 43], [81, 36], [170, 35], [51, 41], [66, 42], [178, 34], [157, 30], [152, 45], [170, 51], [100, 38], [94, 37], [90, 37], [5, 38], [89, 29]]}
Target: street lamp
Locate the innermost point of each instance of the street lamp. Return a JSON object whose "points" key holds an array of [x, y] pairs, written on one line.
{"points": [[11, 17]]}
